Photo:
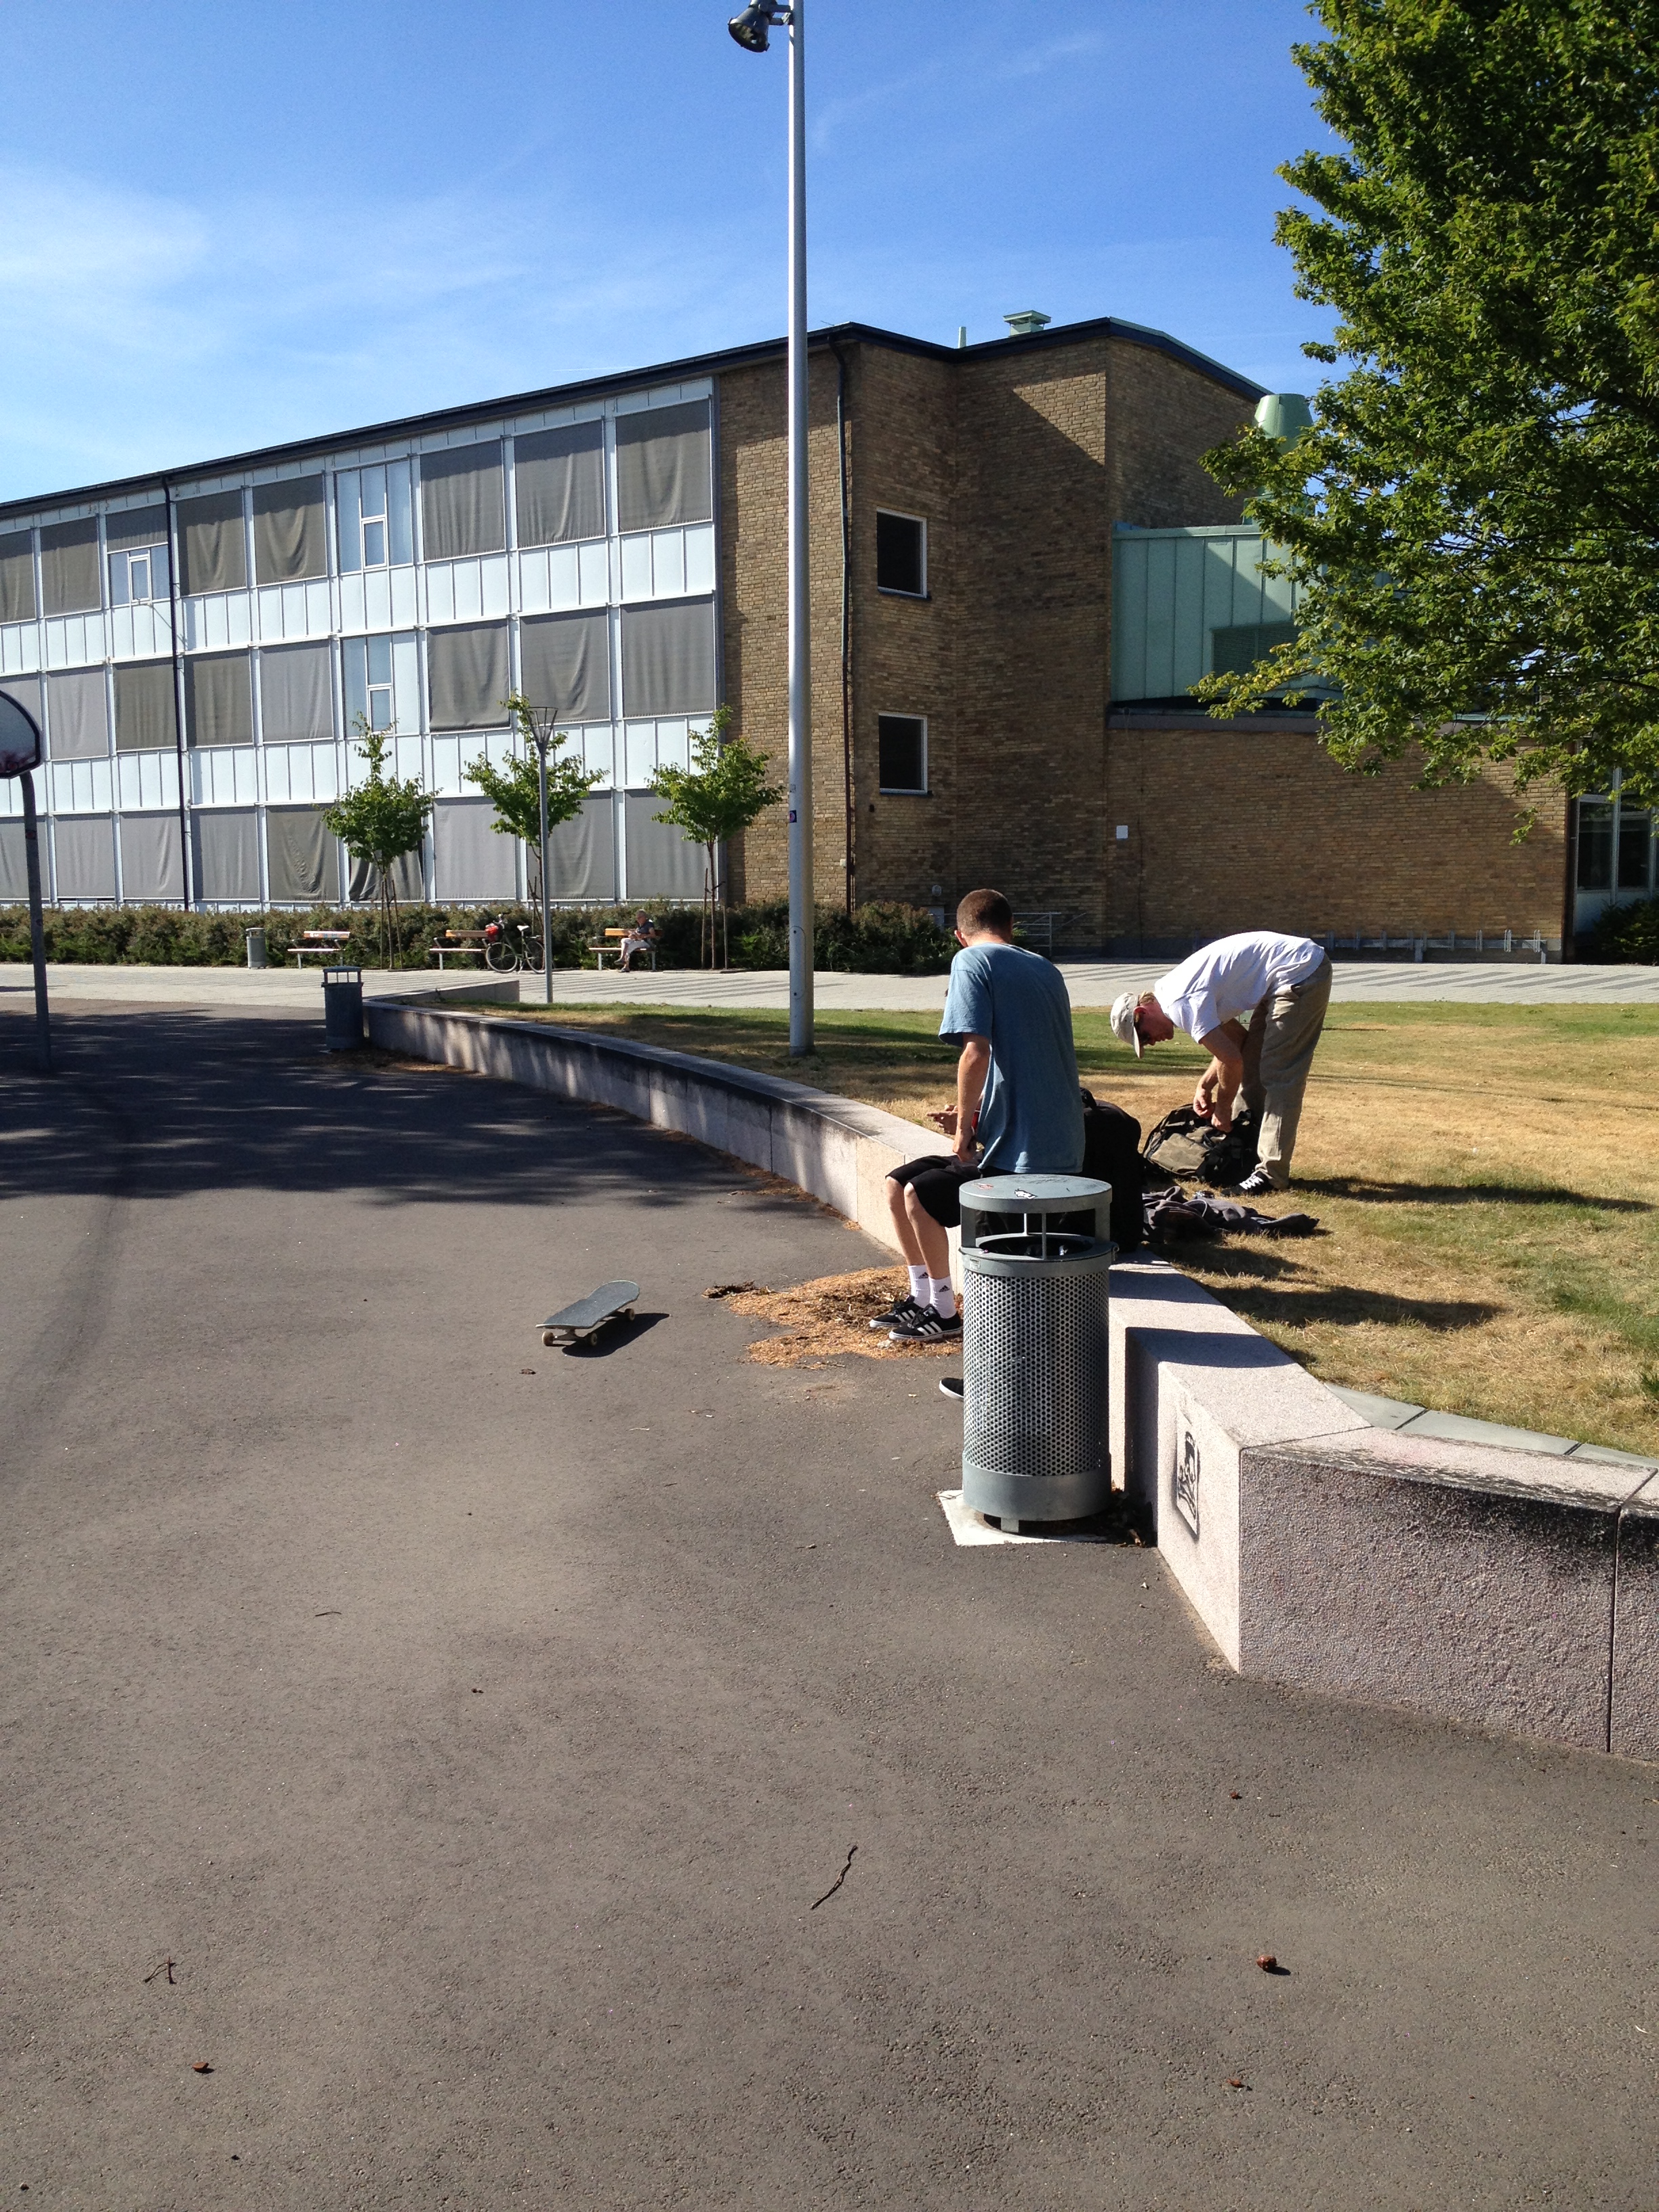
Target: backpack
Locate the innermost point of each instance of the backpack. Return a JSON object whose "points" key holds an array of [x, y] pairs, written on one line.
{"points": [[1185, 1149], [1111, 1153]]}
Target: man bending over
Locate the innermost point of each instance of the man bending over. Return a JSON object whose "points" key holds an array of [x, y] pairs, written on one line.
{"points": [[1018, 1110], [1284, 985]]}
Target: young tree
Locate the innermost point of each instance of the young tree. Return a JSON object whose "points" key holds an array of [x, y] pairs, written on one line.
{"points": [[1474, 519], [516, 791], [380, 820], [713, 800]]}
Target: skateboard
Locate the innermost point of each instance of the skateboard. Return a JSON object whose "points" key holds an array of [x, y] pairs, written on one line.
{"points": [[575, 1324]]}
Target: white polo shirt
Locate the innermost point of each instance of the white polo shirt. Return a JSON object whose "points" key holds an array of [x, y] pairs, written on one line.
{"points": [[1228, 980]]}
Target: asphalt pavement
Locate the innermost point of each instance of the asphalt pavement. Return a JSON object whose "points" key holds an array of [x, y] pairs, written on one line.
{"points": [[429, 1756]]}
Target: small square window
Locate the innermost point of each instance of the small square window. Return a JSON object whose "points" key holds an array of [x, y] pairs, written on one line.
{"points": [[902, 745], [902, 555]]}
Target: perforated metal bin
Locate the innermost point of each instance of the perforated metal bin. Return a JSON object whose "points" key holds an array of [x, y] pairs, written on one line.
{"points": [[1036, 1256], [342, 1009]]}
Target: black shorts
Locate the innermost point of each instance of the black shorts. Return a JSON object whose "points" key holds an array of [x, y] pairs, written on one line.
{"points": [[936, 1181]]}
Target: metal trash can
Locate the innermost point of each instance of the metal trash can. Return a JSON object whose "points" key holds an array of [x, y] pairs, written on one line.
{"points": [[343, 1008], [1036, 1252], [256, 948]]}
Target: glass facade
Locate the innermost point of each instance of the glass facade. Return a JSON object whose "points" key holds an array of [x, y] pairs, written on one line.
{"points": [[567, 553]]}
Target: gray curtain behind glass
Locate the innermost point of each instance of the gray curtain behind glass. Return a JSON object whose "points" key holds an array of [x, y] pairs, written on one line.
{"points": [[17, 577], [463, 507], [219, 699], [151, 868], [472, 861], [581, 853], [77, 709], [668, 658], [213, 544], [15, 866], [558, 480], [467, 676], [565, 662], [406, 878], [26, 689], [138, 526], [296, 697], [86, 857], [662, 861], [290, 537], [663, 471], [225, 843], [302, 855], [69, 583], [146, 708]]}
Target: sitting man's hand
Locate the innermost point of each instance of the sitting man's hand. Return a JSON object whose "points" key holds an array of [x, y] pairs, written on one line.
{"points": [[945, 1119]]}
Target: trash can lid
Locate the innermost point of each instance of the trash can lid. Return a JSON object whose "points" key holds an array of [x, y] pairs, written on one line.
{"points": [[342, 975], [1003, 1194]]}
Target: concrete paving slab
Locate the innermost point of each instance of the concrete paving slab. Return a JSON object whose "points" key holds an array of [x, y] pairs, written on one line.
{"points": [[1381, 1413], [477, 1743], [1459, 1429]]}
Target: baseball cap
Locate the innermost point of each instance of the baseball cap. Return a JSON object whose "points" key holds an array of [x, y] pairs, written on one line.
{"points": [[1123, 1020]]}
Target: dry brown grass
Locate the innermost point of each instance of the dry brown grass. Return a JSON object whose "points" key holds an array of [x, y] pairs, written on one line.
{"points": [[1487, 1177], [829, 1316]]}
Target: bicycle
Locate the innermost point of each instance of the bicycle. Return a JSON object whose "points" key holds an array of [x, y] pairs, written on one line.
{"points": [[501, 954]]}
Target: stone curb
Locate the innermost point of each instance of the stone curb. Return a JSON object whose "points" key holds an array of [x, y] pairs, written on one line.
{"points": [[1325, 1539]]}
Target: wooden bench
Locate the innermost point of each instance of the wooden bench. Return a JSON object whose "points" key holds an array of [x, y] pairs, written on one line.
{"points": [[458, 944], [321, 944], [611, 943]]}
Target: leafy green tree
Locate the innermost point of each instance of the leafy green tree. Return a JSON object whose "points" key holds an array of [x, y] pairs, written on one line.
{"points": [[716, 799], [513, 790], [380, 820], [1474, 519]]}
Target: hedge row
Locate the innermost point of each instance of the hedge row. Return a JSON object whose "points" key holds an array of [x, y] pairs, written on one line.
{"points": [[1628, 932], [878, 940]]}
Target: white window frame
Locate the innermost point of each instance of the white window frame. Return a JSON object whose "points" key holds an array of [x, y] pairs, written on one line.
{"points": [[925, 789], [128, 598], [893, 591]]}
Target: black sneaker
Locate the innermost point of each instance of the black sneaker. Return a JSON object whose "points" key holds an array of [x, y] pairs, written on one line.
{"points": [[1257, 1184], [901, 1314], [929, 1327], [950, 1386]]}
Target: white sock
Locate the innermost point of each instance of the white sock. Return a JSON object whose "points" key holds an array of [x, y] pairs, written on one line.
{"points": [[919, 1285], [943, 1298]]}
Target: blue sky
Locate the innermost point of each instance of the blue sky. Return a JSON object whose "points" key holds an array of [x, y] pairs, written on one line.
{"points": [[224, 225]]}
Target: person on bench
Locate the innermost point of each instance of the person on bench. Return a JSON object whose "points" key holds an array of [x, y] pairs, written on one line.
{"points": [[641, 937], [1018, 1107]]}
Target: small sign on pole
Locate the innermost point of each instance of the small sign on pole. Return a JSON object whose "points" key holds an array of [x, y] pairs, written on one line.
{"points": [[19, 756]]}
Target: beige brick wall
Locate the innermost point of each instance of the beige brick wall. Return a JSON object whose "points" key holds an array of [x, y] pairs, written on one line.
{"points": [[1261, 830], [1021, 462]]}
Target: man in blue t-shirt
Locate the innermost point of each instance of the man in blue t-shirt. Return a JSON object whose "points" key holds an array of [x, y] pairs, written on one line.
{"points": [[1018, 1110]]}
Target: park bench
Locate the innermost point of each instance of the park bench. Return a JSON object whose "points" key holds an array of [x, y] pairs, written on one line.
{"points": [[320, 944], [611, 943], [457, 944]]}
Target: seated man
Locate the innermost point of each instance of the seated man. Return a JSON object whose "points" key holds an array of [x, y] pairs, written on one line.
{"points": [[1284, 984], [641, 936], [1018, 1109]]}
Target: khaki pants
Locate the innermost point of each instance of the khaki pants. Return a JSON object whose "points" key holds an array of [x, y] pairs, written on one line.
{"points": [[1279, 1051]]}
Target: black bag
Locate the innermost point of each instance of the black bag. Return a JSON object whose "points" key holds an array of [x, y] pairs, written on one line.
{"points": [[1111, 1153], [1183, 1148]]}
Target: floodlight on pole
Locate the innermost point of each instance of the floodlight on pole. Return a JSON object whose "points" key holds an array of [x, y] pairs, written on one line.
{"points": [[752, 30]]}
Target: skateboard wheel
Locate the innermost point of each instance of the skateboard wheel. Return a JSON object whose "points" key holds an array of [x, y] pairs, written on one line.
{"points": [[547, 1337]]}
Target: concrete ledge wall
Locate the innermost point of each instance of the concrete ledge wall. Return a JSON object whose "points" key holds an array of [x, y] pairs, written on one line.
{"points": [[1505, 1587]]}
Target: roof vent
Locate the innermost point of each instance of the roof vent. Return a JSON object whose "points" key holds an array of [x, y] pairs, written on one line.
{"points": [[1286, 416], [1028, 322]]}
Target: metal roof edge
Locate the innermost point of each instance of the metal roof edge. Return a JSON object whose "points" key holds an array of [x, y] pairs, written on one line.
{"points": [[563, 395]]}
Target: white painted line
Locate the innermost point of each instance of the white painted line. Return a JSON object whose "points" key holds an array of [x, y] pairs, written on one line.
{"points": [[968, 1529]]}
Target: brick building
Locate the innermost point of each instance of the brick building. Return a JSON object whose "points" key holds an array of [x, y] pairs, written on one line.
{"points": [[199, 643]]}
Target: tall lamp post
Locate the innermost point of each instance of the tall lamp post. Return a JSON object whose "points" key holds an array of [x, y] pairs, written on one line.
{"points": [[752, 30]]}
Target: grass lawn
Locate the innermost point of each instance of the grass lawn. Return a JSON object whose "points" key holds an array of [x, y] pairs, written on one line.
{"points": [[1488, 1177]]}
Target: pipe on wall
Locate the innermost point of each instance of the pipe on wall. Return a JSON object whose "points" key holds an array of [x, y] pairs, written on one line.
{"points": [[178, 700], [846, 618]]}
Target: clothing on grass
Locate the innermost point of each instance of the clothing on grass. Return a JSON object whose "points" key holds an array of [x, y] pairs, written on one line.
{"points": [[1030, 1116]]}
